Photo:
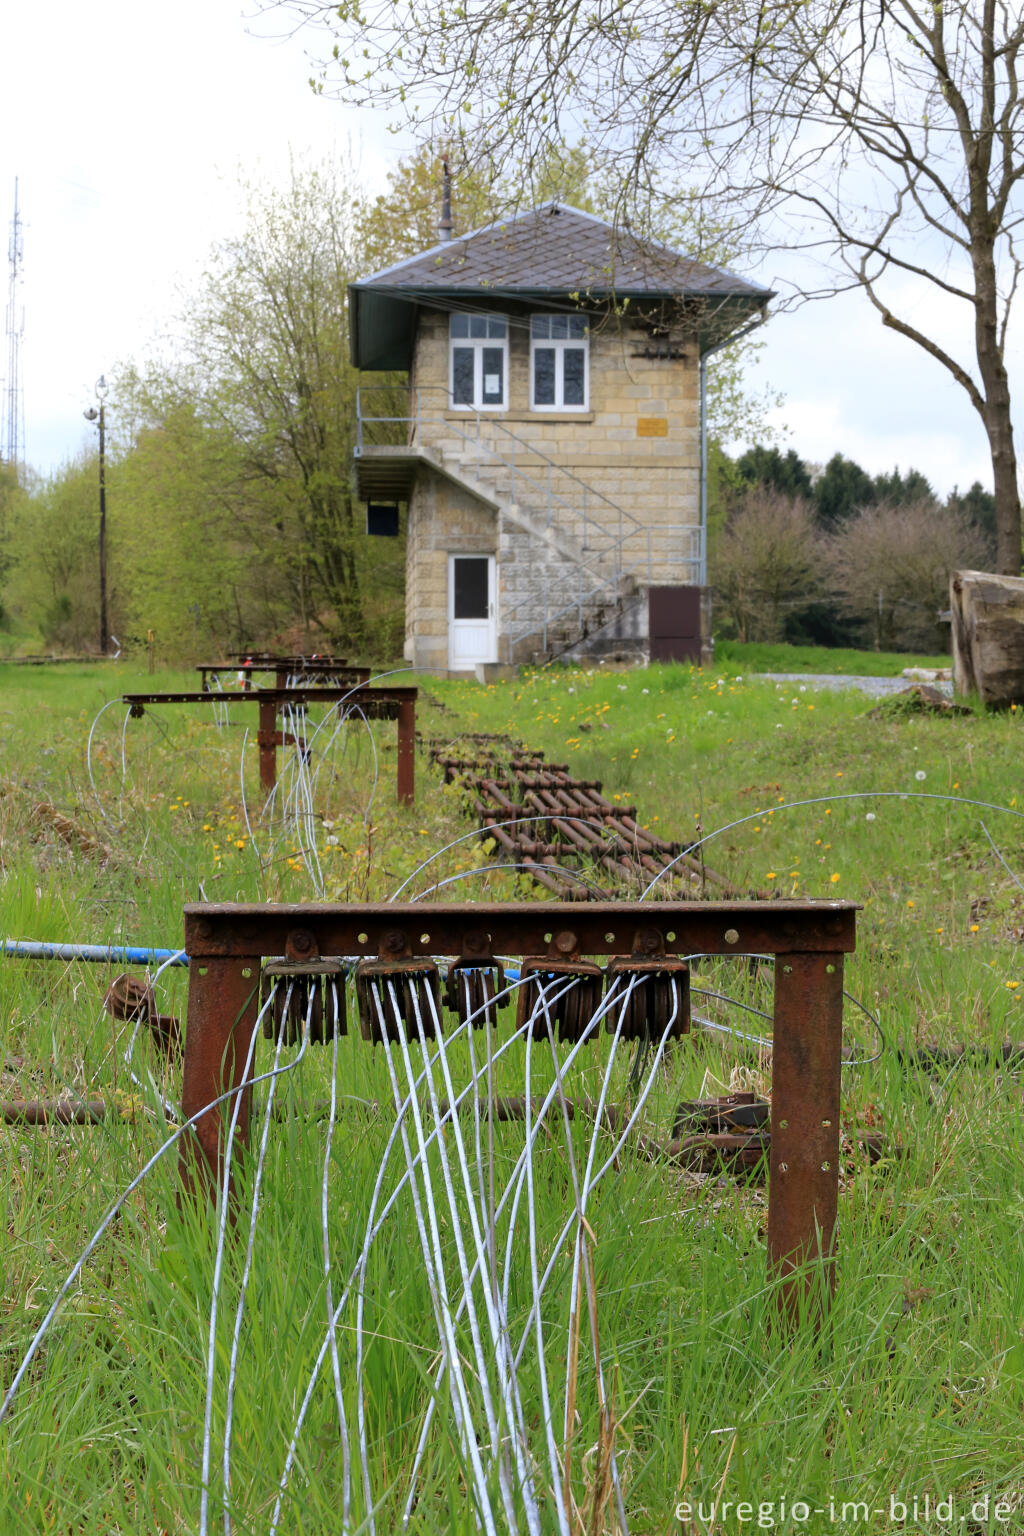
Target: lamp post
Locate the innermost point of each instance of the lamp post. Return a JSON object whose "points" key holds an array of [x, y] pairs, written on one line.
{"points": [[93, 415]]}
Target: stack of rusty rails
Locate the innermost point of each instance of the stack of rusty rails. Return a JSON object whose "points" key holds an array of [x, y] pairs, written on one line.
{"points": [[406, 958], [288, 671], [359, 700], [559, 819]]}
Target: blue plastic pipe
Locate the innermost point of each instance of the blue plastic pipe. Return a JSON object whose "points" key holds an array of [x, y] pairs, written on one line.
{"points": [[118, 954]]}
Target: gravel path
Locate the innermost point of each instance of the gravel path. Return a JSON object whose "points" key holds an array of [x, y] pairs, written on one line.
{"points": [[874, 687]]}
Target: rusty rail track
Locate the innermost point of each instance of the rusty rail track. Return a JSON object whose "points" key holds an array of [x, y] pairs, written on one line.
{"points": [[561, 821]]}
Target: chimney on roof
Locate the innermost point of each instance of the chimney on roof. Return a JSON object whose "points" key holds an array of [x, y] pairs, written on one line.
{"points": [[444, 228]]}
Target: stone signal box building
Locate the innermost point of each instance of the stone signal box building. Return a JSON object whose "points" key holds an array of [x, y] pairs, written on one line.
{"points": [[549, 444]]}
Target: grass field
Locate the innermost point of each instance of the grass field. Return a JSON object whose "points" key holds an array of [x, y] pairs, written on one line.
{"points": [[916, 1391]]}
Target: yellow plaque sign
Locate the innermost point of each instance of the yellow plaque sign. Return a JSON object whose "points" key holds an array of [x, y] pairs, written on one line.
{"points": [[652, 426]]}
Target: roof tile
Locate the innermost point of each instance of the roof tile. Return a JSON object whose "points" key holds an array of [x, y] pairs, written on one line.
{"points": [[555, 249]]}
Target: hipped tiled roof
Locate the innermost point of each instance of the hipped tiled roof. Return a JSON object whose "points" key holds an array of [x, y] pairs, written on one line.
{"points": [[559, 250], [554, 253]]}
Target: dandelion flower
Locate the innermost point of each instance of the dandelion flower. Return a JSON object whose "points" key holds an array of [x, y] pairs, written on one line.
{"points": [[870, 816], [920, 775], [834, 877]]}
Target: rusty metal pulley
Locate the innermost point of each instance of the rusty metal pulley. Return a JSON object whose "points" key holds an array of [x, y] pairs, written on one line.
{"points": [[659, 996], [475, 992], [566, 991], [313, 989], [397, 996]]}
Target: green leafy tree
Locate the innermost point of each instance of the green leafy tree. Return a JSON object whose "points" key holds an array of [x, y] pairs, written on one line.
{"points": [[842, 489], [979, 507], [257, 413], [196, 547], [12, 499], [54, 588], [766, 466], [891, 567], [765, 564], [404, 220], [900, 490]]}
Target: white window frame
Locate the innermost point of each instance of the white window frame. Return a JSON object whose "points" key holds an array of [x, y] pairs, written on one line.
{"points": [[478, 344], [560, 345]]}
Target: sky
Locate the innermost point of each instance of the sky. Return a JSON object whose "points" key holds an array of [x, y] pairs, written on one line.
{"points": [[128, 125]]}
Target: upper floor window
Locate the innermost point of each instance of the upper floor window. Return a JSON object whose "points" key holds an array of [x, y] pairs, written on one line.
{"points": [[479, 360], [559, 346]]}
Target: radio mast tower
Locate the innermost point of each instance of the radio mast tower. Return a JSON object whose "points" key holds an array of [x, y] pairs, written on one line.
{"points": [[12, 420]]}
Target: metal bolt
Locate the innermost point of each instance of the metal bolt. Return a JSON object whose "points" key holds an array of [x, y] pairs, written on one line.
{"points": [[394, 941], [648, 941], [204, 928], [301, 941], [731, 936], [565, 942]]}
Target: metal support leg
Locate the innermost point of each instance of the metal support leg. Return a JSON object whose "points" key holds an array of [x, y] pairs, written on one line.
{"points": [[406, 751], [804, 1175], [222, 1012], [267, 739]]}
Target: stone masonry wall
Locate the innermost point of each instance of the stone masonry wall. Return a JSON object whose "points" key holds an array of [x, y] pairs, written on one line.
{"points": [[655, 479], [637, 445], [443, 520]]}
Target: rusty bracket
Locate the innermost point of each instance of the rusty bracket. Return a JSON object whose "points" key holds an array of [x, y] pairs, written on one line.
{"points": [[308, 972], [396, 989]]}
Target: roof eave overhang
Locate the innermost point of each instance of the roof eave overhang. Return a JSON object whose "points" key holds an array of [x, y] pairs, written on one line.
{"points": [[382, 320]]}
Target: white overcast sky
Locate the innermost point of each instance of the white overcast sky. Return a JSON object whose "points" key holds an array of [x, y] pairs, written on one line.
{"points": [[126, 124]]}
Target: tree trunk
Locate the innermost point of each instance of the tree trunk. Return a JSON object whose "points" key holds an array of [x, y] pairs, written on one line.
{"points": [[996, 413]]}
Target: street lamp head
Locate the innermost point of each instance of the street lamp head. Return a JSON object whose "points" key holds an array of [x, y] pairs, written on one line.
{"points": [[92, 414], [101, 386]]}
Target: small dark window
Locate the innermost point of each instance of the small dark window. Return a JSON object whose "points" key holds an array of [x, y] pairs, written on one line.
{"points": [[382, 519], [470, 578], [462, 375], [574, 380], [544, 375]]}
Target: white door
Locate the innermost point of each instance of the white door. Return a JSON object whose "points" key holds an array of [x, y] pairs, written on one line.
{"points": [[472, 619]]}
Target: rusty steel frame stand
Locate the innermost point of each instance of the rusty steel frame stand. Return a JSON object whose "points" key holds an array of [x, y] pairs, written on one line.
{"points": [[374, 703], [226, 944], [283, 668]]}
